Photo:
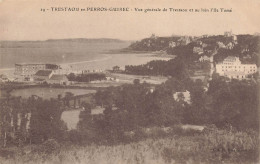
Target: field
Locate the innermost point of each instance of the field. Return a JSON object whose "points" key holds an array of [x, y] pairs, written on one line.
{"points": [[208, 147], [47, 93], [71, 118]]}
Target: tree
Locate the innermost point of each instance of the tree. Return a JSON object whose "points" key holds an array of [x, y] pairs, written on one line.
{"points": [[197, 112], [46, 121], [5, 121], [68, 96], [104, 98], [71, 77]]}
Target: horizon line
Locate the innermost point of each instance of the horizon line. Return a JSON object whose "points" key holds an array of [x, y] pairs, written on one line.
{"points": [[129, 40]]}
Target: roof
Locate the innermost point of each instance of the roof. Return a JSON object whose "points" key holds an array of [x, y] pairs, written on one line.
{"points": [[233, 58], [43, 73], [58, 77]]}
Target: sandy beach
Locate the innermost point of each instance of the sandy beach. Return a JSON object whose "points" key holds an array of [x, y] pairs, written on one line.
{"points": [[104, 62]]}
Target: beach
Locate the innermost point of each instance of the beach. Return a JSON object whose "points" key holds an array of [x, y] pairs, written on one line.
{"points": [[102, 62]]}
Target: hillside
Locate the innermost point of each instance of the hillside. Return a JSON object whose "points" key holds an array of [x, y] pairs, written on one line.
{"points": [[244, 46], [191, 147]]}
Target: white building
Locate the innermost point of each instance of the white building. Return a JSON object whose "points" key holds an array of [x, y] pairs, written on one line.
{"points": [[232, 68], [185, 96], [28, 70], [221, 45], [205, 58], [198, 50], [172, 44], [228, 33], [230, 45], [234, 39]]}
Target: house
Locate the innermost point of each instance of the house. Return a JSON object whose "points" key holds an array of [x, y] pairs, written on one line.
{"points": [[4, 78], [184, 40], [230, 45], [199, 42], [198, 50], [28, 79], [233, 68], [234, 39], [185, 96], [43, 75], [58, 79], [172, 44], [221, 45], [205, 58], [204, 45], [228, 33], [247, 57]]}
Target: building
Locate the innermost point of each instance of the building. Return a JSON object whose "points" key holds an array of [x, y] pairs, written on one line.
{"points": [[221, 45], [184, 40], [230, 45], [172, 44], [228, 33], [43, 75], [27, 70], [184, 96], [234, 39], [199, 42], [232, 68], [58, 79], [205, 58], [198, 50], [204, 45], [4, 78]]}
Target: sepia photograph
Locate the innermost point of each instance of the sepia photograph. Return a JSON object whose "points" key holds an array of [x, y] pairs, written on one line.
{"points": [[129, 82]]}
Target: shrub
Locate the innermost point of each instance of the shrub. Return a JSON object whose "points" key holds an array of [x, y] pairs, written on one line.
{"points": [[50, 146]]}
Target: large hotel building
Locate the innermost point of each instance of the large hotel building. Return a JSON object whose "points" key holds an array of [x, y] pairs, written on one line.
{"points": [[28, 70], [232, 68]]}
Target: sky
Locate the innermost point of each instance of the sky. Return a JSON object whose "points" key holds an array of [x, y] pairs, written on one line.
{"points": [[24, 20]]}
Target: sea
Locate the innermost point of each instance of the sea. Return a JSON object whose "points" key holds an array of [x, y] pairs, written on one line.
{"points": [[77, 55]]}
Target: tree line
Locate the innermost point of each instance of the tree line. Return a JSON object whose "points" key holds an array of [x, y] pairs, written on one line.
{"points": [[86, 77], [32, 120], [176, 68], [134, 106]]}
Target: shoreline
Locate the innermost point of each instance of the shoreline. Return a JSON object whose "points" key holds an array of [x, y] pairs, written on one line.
{"points": [[95, 62]]}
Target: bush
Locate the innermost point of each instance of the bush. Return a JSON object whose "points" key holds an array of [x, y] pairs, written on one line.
{"points": [[50, 146]]}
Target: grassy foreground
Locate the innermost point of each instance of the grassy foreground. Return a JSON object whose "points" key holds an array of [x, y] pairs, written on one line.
{"points": [[208, 147]]}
